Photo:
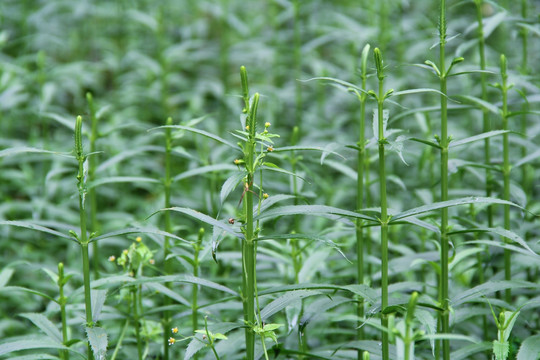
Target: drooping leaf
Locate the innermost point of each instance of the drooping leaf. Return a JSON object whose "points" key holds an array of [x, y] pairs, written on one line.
{"points": [[45, 325], [477, 137], [450, 203], [30, 342], [121, 179], [30, 225], [98, 300], [229, 185], [285, 300], [5, 276], [206, 219], [23, 150], [136, 230], [320, 210], [201, 132], [204, 170], [490, 287]]}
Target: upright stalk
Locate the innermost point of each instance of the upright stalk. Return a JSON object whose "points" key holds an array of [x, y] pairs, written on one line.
{"points": [[248, 244], [83, 240], [94, 226], [487, 148], [166, 322], [195, 289], [62, 300], [525, 169], [297, 61], [504, 87], [384, 211], [360, 164], [444, 319], [135, 313], [485, 114]]}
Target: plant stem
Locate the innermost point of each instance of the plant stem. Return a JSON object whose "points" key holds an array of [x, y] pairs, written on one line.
{"points": [[83, 241], [360, 164], [195, 288], [94, 226], [444, 319], [166, 322], [64, 354], [487, 148], [384, 210], [297, 61], [248, 245], [506, 173], [135, 313]]}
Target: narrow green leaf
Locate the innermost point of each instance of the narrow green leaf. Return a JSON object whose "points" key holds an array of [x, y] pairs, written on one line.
{"points": [[205, 218], [505, 234], [450, 203], [11, 289], [120, 179], [416, 91], [23, 150], [168, 292], [5, 276], [97, 337], [200, 132], [29, 342], [426, 142], [204, 170], [477, 137], [135, 230], [286, 300], [319, 210], [490, 287], [527, 159], [185, 279], [30, 225], [229, 185], [45, 325], [481, 103], [467, 352]]}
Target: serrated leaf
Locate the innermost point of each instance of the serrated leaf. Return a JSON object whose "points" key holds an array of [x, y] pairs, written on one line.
{"points": [[529, 349], [97, 338], [45, 325], [375, 123], [501, 349], [98, 300]]}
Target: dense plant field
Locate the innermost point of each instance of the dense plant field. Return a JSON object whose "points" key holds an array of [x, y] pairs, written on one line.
{"points": [[278, 179]]}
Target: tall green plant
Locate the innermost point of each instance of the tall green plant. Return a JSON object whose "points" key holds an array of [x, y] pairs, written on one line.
{"points": [[360, 166], [504, 87], [248, 243], [83, 238], [384, 219]]}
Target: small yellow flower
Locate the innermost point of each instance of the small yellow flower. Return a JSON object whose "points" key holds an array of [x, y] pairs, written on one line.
{"points": [[247, 127], [265, 196], [152, 261], [171, 341], [174, 330], [138, 239], [270, 149], [236, 161], [112, 258], [267, 124], [125, 252]]}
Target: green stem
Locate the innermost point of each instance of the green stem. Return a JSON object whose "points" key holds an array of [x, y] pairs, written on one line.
{"points": [[195, 288], [360, 164], [83, 240], [248, 248], [297, 61], [444, 319], [120, 339], [64, 354], [94, 226], [135, 314], [166, 322], [506, 174], [384, 210]]}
